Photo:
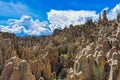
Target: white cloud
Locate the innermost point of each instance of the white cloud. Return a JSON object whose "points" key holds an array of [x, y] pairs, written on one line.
{"points": [[112, 14], [26, 25], [56, 19], [106, 8], [14, 9], [61, 18]]}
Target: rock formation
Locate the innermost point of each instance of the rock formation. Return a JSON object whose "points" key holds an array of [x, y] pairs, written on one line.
{"points": [[82, 52], [118, 17]]}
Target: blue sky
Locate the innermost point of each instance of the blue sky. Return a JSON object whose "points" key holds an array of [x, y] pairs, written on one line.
{"points": [[40, 7], [22, 16]]}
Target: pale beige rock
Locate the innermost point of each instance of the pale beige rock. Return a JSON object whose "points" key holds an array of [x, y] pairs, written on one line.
{"points": [[17, 69], [7, 71]]}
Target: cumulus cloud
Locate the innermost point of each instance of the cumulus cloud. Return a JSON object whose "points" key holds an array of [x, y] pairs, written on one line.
{"points": [[112, 14], [26, 26], [61, 18]]}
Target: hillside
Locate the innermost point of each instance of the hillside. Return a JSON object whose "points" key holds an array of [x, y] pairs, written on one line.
{"points": [[83, 52]]}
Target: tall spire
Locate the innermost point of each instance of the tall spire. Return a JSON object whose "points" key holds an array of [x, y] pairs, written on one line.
{"points": [[99, 17], [104, 19], [118, 17], [105, 16]]}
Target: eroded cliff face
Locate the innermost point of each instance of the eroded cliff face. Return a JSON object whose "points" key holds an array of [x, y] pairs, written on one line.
{"points": [[83, 52]]}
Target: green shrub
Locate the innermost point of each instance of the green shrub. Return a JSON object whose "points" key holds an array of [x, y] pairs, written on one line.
{"points": [[97, 72], [37, 57], [68, 55]]}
